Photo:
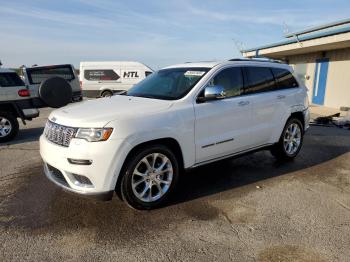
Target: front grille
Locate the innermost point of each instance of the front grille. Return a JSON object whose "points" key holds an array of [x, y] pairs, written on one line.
{"points": [[57, 175], [58, 134]]}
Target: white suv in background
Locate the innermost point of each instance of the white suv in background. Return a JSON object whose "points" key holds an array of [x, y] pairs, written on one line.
{"points": [[178, 118], [15, 102]]}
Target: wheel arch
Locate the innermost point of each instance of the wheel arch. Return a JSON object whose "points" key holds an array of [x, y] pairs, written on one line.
{"points": [[300, 116], [169, 142], [106, 90]]}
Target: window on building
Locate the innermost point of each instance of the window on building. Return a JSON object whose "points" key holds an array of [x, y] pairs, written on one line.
{"points": [[101, 75], [231, 79], [259, 79], [10, 79]]}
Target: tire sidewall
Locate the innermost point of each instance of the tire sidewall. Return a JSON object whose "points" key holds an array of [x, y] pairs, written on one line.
{"points": [[106, 93], [14, 126], [292, 121], [126, 187], [56, 92]]}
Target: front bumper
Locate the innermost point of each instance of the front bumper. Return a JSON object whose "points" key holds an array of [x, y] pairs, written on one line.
{"points": [[97, 179], [59, 180]]}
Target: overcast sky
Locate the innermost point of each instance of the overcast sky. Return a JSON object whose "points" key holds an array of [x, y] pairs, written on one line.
{"points": [[158, 33]]}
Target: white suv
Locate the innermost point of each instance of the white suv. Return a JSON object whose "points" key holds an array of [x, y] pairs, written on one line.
{"points": [[15, 102], [180, 117]]}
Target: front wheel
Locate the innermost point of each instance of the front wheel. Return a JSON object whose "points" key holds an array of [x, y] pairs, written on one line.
{"points": [[106, 93], [150, 177], [290, 141]]}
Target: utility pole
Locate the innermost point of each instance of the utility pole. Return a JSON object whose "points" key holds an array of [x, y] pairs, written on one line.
{"points": [[286, 31], [239, 46]]}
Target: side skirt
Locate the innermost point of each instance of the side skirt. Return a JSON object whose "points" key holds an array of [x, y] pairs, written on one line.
{"points": [[234, 155]]}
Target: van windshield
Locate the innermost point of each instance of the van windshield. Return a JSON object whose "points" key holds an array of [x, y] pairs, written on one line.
{"points": [[168, 84]]}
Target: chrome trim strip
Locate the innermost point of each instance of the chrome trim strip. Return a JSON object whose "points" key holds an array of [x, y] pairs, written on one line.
{"points": [[228, 156], [209, 145], [218, 143], [224, 141]]}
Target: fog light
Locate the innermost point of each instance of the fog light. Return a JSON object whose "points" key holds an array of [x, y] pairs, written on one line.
{"points": [[79, 161], [82, 180]]}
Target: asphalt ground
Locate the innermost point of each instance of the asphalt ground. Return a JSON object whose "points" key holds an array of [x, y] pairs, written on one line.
{"points": [[246, 209]]}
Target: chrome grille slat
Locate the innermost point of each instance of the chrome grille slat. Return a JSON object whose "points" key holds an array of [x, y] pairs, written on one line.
{"points": [[59, 134]]}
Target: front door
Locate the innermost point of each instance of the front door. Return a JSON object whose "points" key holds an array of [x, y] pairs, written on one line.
{"points": [[320, 81], [222, 127]]}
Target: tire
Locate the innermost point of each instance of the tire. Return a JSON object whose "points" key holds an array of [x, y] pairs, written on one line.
{"points": [[289, 145], [55, 92], [8, 126], [106, 93], [140, 187]]}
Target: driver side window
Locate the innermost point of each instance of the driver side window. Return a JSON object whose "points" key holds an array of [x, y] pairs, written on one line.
{"points": [[231, 79]]}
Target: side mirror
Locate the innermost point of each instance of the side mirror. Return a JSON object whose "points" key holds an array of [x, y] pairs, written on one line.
{"points": [[212, 93]]}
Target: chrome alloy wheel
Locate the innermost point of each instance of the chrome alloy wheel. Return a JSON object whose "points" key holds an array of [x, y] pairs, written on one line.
{"points": [[5, 127], [292, 139], [152, 177]]}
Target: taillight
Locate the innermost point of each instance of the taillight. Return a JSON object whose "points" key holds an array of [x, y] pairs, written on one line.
{"points": [[23, 92]]}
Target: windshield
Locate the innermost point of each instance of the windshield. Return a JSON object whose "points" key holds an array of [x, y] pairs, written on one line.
{"points": [[169, 84]]}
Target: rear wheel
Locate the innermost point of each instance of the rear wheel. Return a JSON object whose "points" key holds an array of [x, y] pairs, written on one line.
{"points": [[106, 93], [290, 141], [8, 126], [150, 177]]}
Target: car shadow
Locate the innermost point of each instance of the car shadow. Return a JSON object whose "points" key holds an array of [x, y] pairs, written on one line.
{"points": [[37, 204], [319, 147], [25, 135]]}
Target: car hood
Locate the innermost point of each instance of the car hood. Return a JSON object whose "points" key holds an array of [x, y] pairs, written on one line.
{"points": [[98, 112]]}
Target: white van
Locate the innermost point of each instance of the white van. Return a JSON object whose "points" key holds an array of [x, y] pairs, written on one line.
{"points": [[101, 79]]}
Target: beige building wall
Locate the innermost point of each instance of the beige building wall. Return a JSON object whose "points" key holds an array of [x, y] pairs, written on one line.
{"points": [[309, 60], [338, 78]]}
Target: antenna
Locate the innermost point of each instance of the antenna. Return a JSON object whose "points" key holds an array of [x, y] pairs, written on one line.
{"points": [[239, 45], [285, 28], [286, 31]]}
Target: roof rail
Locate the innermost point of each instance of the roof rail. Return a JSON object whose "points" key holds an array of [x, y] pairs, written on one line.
{"points": [[257, 59]]}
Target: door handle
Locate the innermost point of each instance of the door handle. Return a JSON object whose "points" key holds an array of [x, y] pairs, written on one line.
{"points": [[243, 103], [281, 97]]}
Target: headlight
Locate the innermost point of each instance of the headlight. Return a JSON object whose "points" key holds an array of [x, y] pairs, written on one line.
{"points": [[94, 134]]}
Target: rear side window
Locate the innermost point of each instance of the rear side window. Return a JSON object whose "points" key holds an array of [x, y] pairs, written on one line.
{"points": [[284, 78], [37, 75], [258, 79], [10, 79], [231, 79], [101, 75]]}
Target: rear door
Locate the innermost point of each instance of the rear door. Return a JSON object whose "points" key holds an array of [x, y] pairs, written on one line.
{"points": [[271, 102], [36, 75], [222, 127]]}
